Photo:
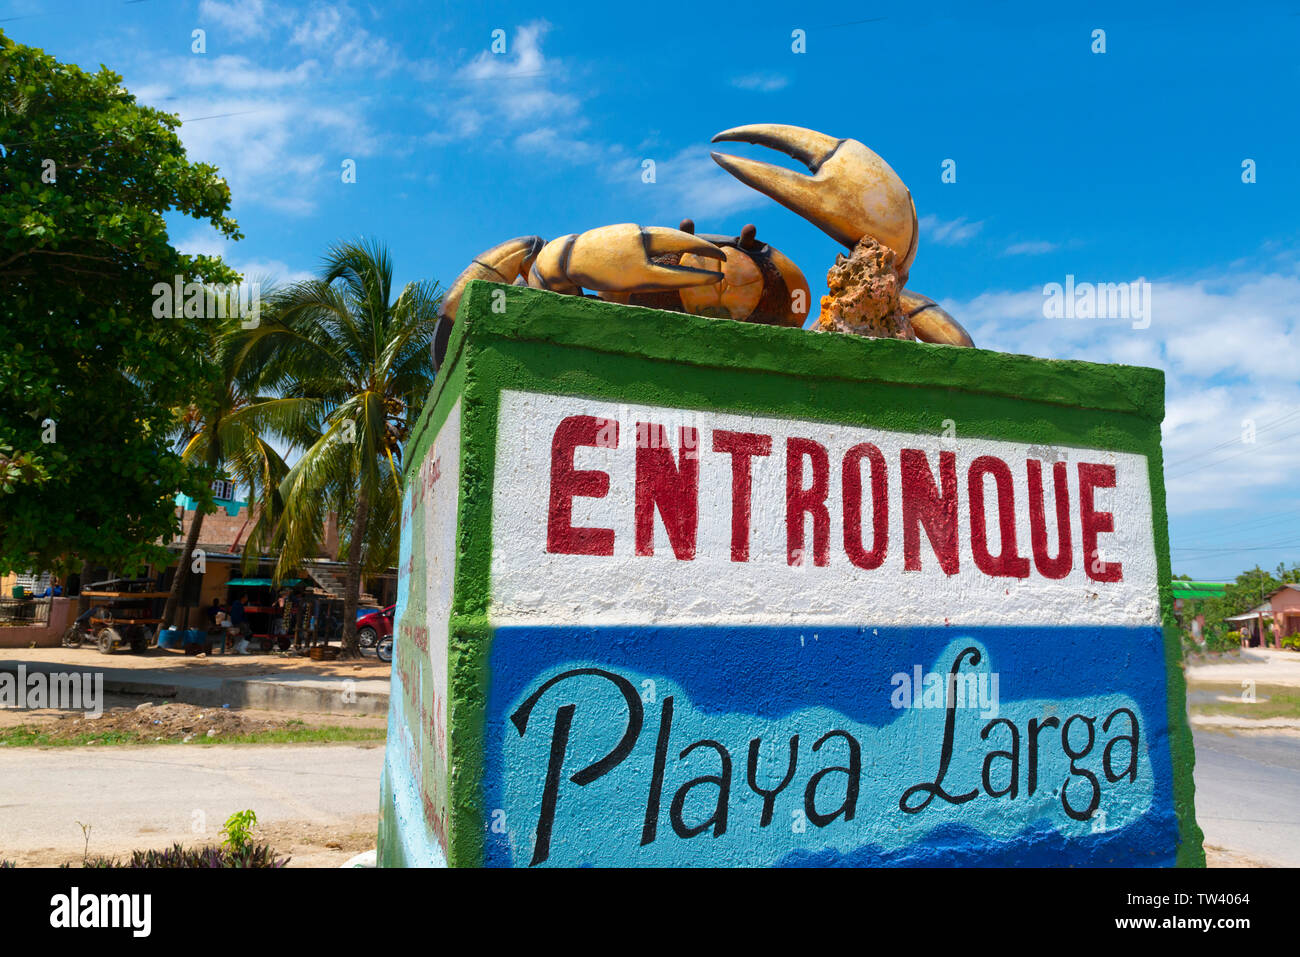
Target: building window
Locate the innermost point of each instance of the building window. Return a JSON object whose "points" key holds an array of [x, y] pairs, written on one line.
{"points": [[223, 490]]}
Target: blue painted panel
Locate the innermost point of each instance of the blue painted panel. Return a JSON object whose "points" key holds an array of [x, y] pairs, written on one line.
{"points": [[1090, 799]]}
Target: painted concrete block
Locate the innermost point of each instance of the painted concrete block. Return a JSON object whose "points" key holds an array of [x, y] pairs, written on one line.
{"points": [[680, 591]]}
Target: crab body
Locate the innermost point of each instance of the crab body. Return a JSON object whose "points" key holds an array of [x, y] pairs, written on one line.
{"points": [[759, 284]]}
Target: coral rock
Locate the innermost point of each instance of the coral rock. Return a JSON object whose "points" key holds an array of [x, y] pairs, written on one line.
{"points": [[864, 289]]}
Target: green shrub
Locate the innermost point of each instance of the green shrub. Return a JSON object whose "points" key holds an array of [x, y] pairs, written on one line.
{"points": [[1222, 640], [239, 831]]}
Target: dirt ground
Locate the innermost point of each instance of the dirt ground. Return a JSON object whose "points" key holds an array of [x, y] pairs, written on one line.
{"points": [[305, 843], [1261, 665], [1221, 857], [220, 666], [162, 720]]}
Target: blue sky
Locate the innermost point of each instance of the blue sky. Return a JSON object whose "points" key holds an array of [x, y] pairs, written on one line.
{"points": [[1105, 166]]}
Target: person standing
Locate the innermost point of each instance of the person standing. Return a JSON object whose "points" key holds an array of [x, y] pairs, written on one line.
{"points": [[238, 626], [280, 617], [299, 618]]}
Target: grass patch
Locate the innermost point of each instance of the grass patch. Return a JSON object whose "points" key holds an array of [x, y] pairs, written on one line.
{"points": [[37, 736], [1272, 701]]}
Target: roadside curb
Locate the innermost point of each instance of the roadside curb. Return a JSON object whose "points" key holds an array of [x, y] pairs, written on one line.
{"points": [[1224, 722], [282, 692]]}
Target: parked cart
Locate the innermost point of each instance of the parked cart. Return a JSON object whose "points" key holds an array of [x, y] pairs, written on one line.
{"points": [[123, 611]]}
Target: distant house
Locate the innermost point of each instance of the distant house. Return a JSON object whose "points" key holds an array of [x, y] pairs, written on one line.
{"points": [[221, 539], [1285, 605], [1276, 616]]}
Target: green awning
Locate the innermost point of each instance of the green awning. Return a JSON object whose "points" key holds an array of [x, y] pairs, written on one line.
{"points": [[262, 582]]}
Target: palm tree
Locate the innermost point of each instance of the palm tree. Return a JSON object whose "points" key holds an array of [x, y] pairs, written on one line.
{"points": [[351, 365], [220, 428]]}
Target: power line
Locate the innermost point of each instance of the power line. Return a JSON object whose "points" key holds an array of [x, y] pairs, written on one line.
{"points": [[1224, 445], [1233, 549], [1270, 521], [67, 136], [1227, 458]]}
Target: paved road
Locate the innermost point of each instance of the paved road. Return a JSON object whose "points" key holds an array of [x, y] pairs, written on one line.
{"points": [[1248, 794], [150, 796]]}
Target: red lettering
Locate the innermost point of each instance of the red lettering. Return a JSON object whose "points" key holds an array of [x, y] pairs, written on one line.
{"points": [[1009, 564], [851, 472], [742, 447], [1059, 566], [923, 505], [568, 482], [800, 501], [1093, 476], [674, 489]]}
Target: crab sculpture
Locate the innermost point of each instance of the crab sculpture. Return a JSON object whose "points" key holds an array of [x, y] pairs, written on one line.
{"points": [[852, 195]]}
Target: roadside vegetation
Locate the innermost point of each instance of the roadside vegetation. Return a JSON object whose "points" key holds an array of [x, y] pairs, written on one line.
{"points": [[238, 849], [1269, 701]]}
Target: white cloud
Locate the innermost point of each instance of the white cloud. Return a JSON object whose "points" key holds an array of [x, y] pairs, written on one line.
{"points": [[533, 103], [271, 272], [259, 146], [1226, 343], [239, 73], [277, 133], [334, 33], [690, 184], [499, 97], [244, 18], [948, 232], [761, 82], [207, 242], [1031, 248]]}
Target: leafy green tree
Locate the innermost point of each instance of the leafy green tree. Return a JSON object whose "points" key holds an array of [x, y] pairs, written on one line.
{"points": [[351, 364], [90, 369]]}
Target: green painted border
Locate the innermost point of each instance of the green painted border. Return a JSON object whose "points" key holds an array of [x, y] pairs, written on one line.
{"points": [[437, 407], [510, 337]]}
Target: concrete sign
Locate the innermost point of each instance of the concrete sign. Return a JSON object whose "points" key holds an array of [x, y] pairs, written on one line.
{"points": [[738, 595]]}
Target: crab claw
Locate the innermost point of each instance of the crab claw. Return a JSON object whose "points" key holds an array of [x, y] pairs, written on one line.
{"points": [[621, 259], [931, 322], [504, 262], [852, 193]]}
